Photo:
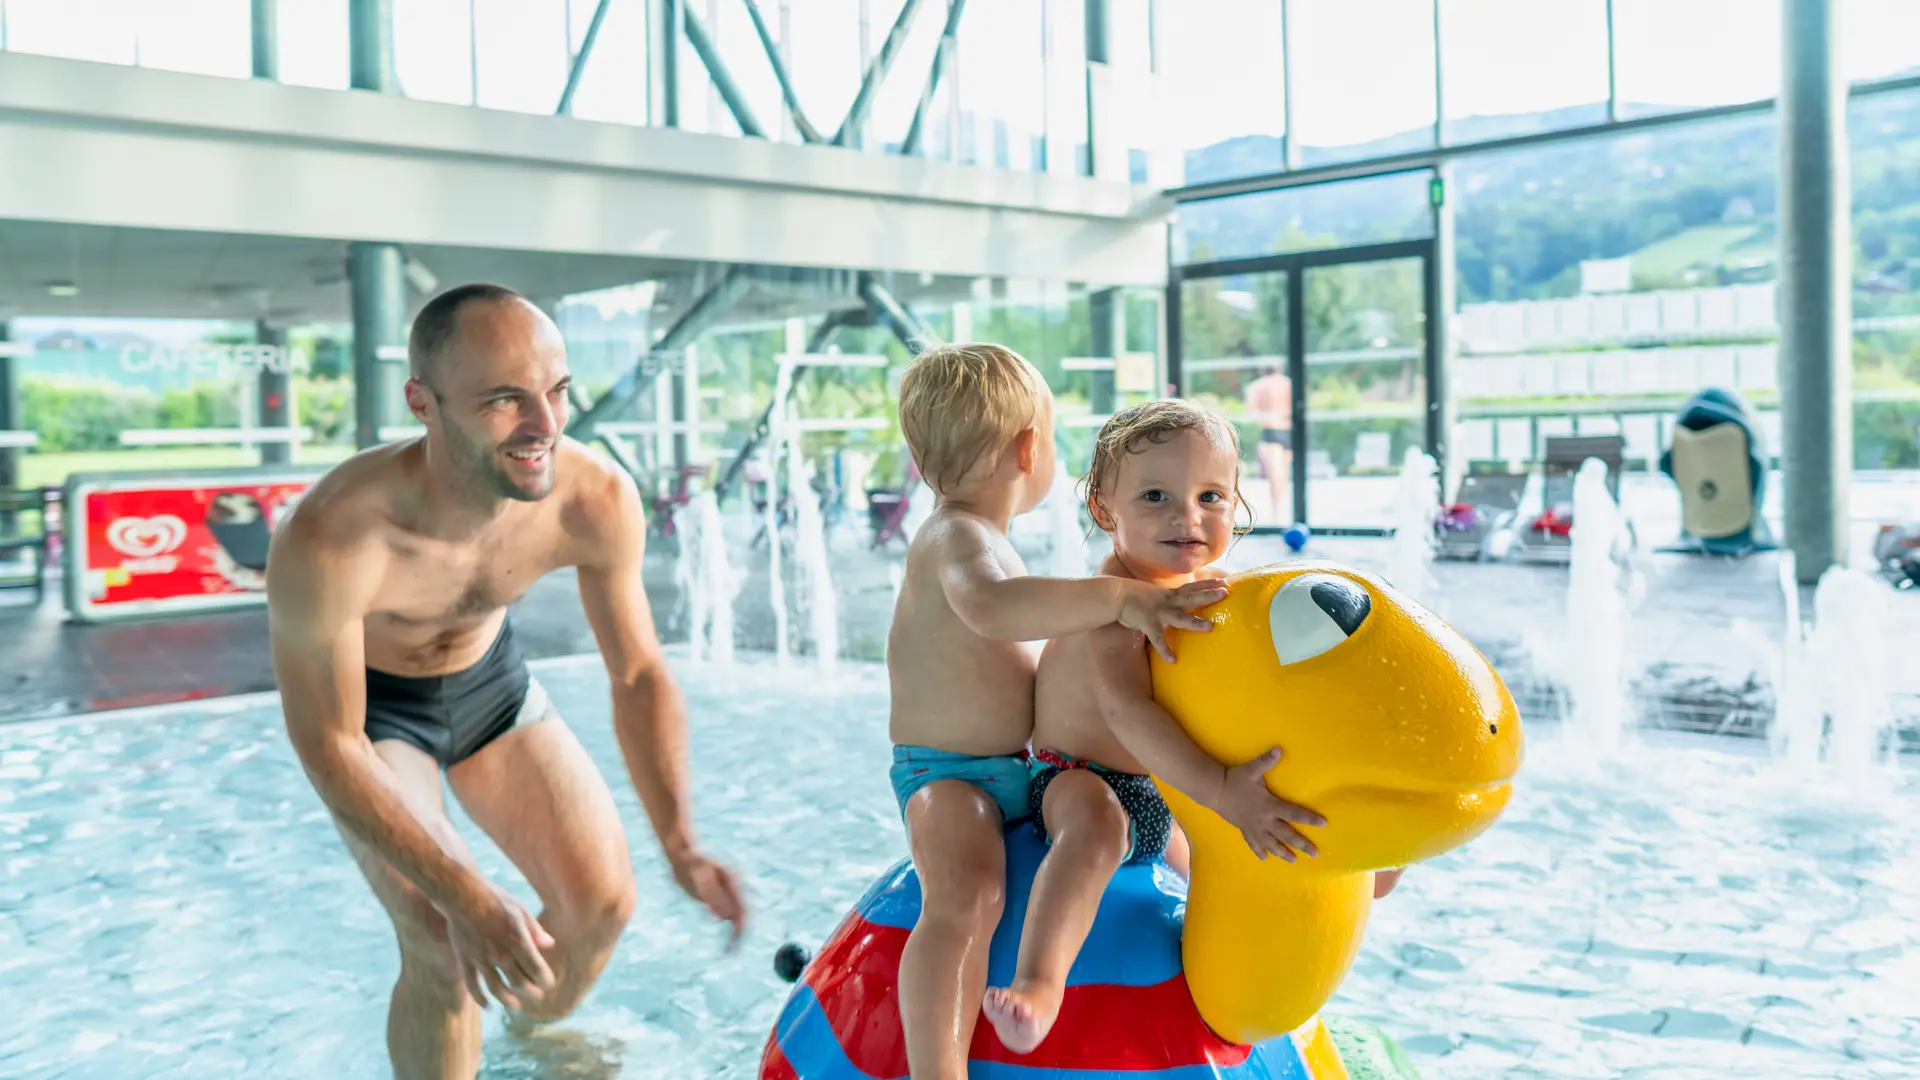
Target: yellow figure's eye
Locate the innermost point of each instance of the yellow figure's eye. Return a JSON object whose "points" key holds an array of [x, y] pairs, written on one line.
{"points": [[1313, 613]]}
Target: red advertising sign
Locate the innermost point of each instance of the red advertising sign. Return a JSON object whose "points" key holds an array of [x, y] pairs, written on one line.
{"points": [[173, 544]]}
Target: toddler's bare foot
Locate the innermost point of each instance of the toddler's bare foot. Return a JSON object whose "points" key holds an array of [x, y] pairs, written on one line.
{"points": [[1022, 1014]]}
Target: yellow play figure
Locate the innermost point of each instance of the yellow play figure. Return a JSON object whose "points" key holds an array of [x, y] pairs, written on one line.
{"points": [[1396, 730]]}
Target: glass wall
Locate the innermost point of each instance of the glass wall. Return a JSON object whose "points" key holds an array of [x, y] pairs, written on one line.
{"points": [[1223, 97], [1603, 281], [1884, 136], [1518, 66], [1375, 210], [313, 48], [1014, 79], [1002, 84], [120, 394], [1686, 54], [1176, 93], [1363, 77]]}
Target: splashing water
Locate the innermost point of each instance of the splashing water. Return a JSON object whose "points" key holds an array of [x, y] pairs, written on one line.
{"points": [[1066, 557], [1416, 506], [686, 576], [706, 580], [1596, 614], [1794, 735], [810, 552], [714, 577], [1848, 649], [770, 516]]}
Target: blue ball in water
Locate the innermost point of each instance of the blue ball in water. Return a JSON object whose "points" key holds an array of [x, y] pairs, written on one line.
{"points": [[790, 961], [1296, 537]]}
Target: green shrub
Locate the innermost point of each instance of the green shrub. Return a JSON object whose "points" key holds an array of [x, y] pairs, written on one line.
{"points": [[326, 406], [84, 415]]}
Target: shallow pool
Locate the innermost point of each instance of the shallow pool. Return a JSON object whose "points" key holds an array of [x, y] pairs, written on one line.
{"points": [[175, 902]]}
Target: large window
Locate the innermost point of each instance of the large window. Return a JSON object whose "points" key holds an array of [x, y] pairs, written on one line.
{"points": [[1602, 281], [1880, 38], [522, 53], [1375, 210], [138, 394], [1066, 42], [433, 47], [898, 97], [824, 47], [314, 43], [1003, 86], [613, 85], [1222, 91], [1363, 79], [1687, 54], [1509, 67], [1884, 135], [99, 30]]}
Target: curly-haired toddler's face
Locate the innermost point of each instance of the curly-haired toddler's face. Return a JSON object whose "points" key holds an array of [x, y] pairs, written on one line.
{"points": [[1171, 506]]}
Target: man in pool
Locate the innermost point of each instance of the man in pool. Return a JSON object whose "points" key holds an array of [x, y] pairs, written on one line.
{"points": [[387, 592]]}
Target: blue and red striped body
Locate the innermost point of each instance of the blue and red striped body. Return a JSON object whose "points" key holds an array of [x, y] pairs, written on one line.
{"points": [[1127, 1012]]}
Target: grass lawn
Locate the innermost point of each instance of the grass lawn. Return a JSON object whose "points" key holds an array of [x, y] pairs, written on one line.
{"points": [[1702, 244], [52, 470]]}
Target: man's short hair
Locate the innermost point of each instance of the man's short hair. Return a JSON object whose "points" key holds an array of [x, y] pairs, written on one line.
{"points": [[434, 327], [959, 403]]}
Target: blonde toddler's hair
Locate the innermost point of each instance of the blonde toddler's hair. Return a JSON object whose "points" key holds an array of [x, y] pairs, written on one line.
{"points": [[960, 403]]}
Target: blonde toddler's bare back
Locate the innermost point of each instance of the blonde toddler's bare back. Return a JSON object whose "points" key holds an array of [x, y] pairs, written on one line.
{"points": [[952, 688]]}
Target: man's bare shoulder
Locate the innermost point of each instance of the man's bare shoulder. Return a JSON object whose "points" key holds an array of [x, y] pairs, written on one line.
{"points": [[343, 517], [599, 502]]}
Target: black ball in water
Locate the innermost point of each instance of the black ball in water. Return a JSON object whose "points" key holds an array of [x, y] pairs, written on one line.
{"points": [[790, 961]]}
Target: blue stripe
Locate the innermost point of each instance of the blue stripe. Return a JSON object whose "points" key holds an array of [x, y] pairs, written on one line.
{"points": [[809, 1043], [810, 1047], [1136, 935]]}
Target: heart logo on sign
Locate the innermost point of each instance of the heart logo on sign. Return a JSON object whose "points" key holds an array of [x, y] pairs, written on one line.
{"points": [[143, 538]]}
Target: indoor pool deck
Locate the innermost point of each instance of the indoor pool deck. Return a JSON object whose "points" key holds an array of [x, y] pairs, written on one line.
{"points": [[1702, 643]]}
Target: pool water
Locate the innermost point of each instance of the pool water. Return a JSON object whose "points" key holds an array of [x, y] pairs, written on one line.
{"points": [[176, 903]]}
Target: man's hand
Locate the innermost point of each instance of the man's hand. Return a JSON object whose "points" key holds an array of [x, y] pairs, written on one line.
{"points": [[714, 885], [1150, 609], [498, 943], [1265, 820]]}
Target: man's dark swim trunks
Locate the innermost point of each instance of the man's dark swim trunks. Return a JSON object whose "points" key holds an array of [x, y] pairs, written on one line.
{"points": [[452, 716]]}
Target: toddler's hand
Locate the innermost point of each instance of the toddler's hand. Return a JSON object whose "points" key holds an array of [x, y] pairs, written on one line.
{"points": [[1151, 609], [1264, 819]]}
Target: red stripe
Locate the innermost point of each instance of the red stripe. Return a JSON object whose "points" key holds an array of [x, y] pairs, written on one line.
{"points": [[1101, 1026], [854, 977], [774, 1064], [1120, 1029]]}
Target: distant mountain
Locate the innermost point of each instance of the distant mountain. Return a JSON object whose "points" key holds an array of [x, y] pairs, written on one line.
{"points": [[1527, 218]]}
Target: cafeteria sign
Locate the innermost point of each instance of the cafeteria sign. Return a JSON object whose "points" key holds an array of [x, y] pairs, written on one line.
{"points": [[214, 360], [142, 545]]}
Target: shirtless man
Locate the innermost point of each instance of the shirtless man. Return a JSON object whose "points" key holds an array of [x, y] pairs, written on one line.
{"points": [[387, 592], [1270, 398]]}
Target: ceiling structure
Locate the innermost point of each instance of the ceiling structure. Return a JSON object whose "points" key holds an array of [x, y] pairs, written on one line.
{"points": [[95, 271]]}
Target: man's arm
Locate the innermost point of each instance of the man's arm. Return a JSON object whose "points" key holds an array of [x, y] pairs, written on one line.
{"points": [[1004, 607], [649, 715], [316, 601], [1123, 690]]}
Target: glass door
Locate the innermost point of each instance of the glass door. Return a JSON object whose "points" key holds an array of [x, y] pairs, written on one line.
{"points": [[1366, 386], [1234, 360]]}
